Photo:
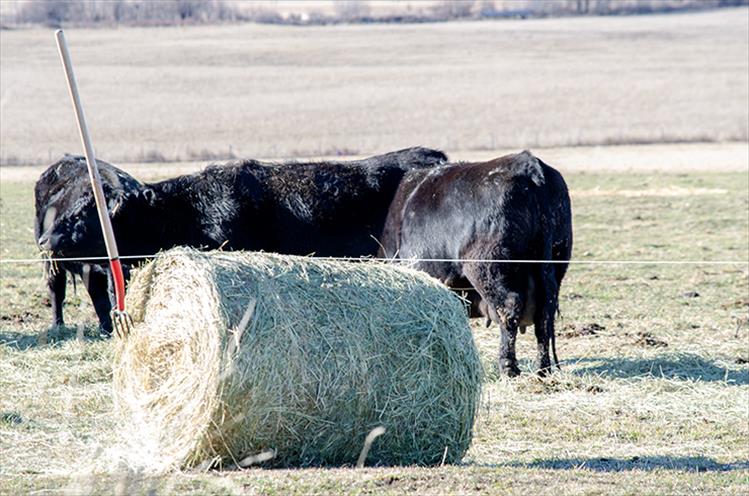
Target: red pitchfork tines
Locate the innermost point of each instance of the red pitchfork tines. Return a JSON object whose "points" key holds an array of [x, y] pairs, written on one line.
{"points": [[120, 319]]}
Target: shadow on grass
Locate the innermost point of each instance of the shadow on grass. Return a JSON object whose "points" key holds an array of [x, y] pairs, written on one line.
{"points": [[648, 463], [685, 366], [49, 337]]}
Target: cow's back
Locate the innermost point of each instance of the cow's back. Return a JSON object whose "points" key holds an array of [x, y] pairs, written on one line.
{"points": [[459, 194], [62, 186], [459, 210], [331, 209], [321, 208], [406, 159], [556, 195]]}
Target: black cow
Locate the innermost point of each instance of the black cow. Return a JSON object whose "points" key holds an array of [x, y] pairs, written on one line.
{"points": [[318, 208], [59, 191], [512, 208]]}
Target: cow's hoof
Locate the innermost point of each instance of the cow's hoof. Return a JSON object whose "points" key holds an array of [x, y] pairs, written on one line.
{"points": [[509, 368], [544, 371], [544, 367]]}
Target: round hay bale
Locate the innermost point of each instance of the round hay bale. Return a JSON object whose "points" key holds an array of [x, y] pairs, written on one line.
{"points": [[236, 354]]}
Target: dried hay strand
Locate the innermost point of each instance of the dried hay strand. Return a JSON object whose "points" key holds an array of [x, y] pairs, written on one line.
{"points": [[238, 354]]}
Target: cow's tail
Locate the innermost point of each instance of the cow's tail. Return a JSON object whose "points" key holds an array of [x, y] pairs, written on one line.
{"points": [[551, 292], [554, 311], [554, 348]]}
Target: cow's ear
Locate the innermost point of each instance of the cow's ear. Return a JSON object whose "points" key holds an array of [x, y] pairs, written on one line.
{"points": [[149, 195], [114, 206]]}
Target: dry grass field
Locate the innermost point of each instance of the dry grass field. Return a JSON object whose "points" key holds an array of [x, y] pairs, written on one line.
{"points": [[269, 91], [653, 395]]}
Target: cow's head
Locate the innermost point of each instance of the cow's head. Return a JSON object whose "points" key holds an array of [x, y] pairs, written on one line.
{"points": [[67, 223]]}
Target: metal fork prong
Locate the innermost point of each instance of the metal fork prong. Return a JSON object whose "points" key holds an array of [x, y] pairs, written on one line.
{"points": [[122, 323]]}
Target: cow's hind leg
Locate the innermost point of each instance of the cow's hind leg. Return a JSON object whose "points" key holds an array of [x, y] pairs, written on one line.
{"points": [[500, 286], [547, 296]]}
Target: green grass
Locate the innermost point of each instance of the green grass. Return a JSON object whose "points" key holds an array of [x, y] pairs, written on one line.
{"points": [[653, 397]]}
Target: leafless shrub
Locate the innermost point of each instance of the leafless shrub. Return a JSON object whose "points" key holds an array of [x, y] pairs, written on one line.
{"points": [[149, 156], [351, 10], [206, 154], [263, 15], [332, 151], [448, 10], [11, 160]]}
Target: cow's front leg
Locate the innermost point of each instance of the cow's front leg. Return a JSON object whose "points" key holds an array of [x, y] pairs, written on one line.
{"points": [[95, 280], [56, 284]]}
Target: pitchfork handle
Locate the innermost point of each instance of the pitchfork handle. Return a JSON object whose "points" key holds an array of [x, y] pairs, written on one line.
{"points": [[93, 172]]}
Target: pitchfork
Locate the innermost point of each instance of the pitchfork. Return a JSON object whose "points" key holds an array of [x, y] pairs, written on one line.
{"points": [[120, 319]]}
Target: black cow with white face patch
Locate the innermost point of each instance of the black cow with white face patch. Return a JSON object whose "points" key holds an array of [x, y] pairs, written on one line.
{"points": [[512, 208], [318, 208]]}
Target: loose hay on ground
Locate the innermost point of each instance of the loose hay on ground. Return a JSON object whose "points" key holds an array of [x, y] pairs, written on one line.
{"points": [[235, 354]]}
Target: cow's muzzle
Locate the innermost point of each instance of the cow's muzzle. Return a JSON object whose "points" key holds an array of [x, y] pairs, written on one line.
{"points": [[49, 242]]}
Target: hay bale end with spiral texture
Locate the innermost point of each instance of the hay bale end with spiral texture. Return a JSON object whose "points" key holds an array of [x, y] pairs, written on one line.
{"points": [[297, 359]]}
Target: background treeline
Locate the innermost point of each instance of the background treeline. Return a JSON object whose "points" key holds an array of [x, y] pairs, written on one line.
{"points": [[15, 13], [112, 12]]}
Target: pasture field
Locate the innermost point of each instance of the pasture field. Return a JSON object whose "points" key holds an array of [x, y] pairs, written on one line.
{"points": [[653, 396], [155, 94]]}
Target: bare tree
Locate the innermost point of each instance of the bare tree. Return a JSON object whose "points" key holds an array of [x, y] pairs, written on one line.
{"points": [[351, 10]]}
